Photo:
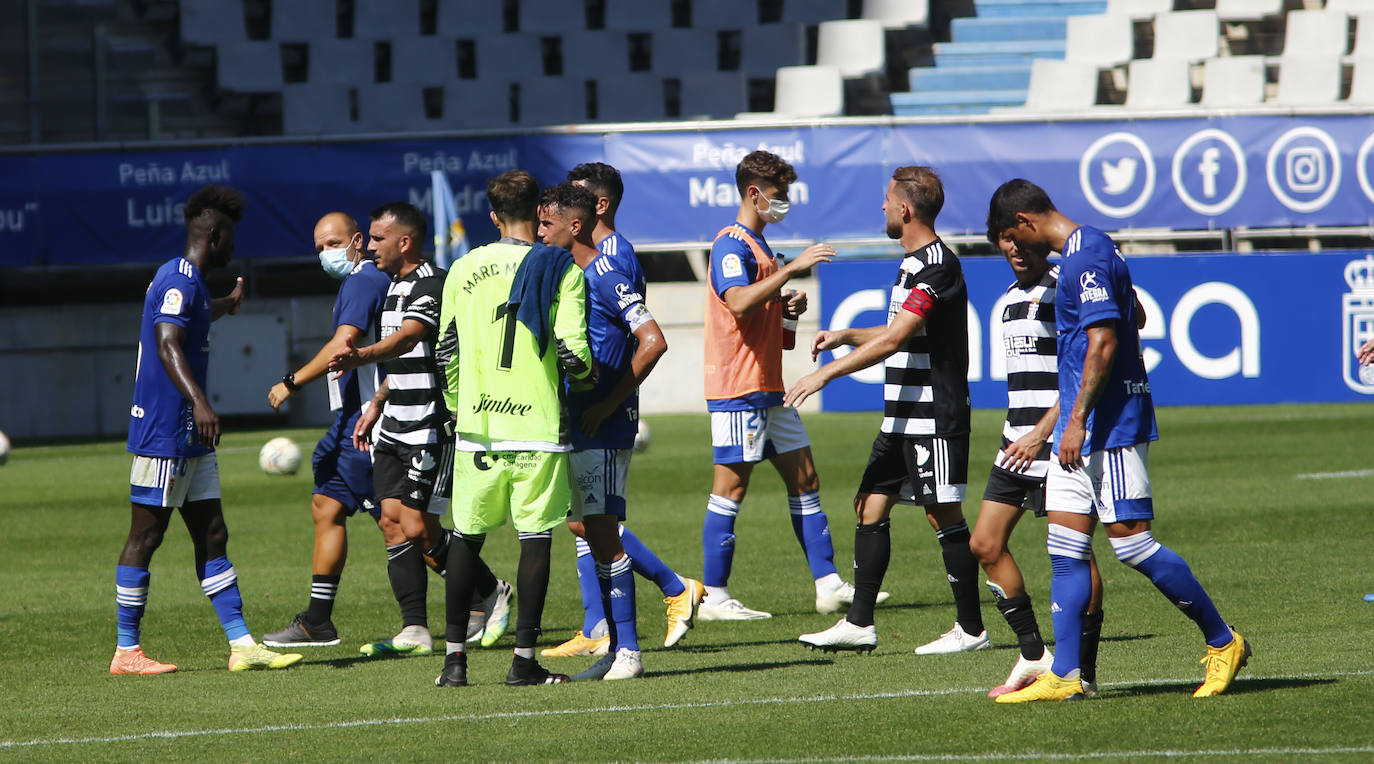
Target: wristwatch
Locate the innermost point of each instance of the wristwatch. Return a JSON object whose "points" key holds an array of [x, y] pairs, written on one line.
{"points": [[290, 381]]}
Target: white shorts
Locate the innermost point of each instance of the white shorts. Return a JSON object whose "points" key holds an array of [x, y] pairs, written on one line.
{"points": [[599, 477], [157, 481], [756, 434], [1115, 484]]}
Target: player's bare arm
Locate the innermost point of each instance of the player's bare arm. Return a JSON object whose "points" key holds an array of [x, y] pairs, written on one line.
{"points": [[1021, 453], [316, 367], [743, 300], [368, 416], [652, 346], [170, 339], [829, 339], [392, 347], [886, 342], [229, 304], [1097, 370], [1139, 311]]}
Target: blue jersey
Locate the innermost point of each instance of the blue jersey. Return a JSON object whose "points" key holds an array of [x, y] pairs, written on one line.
{"points": [[619, 249], [160, 421], [732, 265], [359, 304], [1095, 286], [615, 310]]}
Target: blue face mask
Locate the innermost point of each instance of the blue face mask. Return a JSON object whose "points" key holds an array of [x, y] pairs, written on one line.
{"points": [[336, 262]]}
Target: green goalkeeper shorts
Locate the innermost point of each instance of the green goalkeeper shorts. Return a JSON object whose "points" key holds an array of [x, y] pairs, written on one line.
{"points": [[530, 486]]}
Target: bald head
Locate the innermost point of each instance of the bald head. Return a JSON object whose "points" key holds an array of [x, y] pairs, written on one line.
{"points": [[337, 229]]}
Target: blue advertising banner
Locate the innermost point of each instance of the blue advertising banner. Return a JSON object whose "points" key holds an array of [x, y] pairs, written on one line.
{"points": [[1221, 329], [1196, 173]]}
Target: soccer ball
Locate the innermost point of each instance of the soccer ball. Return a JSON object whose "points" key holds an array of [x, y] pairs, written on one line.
{"points": [[280, 456], [642, 437], [4, 448]]}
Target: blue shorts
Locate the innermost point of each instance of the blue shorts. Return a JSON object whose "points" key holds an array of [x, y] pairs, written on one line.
{"points": [[342, 472]]}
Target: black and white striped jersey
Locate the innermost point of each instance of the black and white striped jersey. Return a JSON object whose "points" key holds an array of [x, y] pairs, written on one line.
{"points": [[925, 389], [1028, 338], [415, 413]]}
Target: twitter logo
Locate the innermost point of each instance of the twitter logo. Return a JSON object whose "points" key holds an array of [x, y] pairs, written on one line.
{"points": [[1119, 176]]}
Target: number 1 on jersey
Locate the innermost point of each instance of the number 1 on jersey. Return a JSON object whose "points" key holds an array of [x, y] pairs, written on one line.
{"points": [[505, 311]]}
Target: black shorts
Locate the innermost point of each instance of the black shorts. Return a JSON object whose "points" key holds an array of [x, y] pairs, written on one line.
{"points": [[413, 474], [918, 470], [1006, 487]]}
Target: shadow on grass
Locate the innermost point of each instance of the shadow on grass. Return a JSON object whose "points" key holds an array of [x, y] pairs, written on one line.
{"points": [[1240, 686], [356, 659], [719, 647], [739, 668]]}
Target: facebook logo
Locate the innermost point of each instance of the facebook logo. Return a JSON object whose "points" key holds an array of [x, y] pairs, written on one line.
{"points": [[1209, 172]]}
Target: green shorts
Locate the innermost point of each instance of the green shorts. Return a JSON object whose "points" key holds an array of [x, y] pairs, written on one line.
{"points": [[531, 486]]}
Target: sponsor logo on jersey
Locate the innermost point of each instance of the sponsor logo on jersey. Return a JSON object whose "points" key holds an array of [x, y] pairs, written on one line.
{"points": [[424, 462], [1092, 291], [626, 295], [731, 266], [500, 406], [172, 300]]}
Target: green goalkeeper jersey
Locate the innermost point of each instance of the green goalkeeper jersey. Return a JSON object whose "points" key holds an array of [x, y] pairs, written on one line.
{"points": [[505, 394]]}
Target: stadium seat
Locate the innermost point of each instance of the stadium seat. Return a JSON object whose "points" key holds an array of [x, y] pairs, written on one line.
{"points": [[1248, 10], [477, 104], [1158, 83], [553, 101], [424, 60], [386, 19], [303, 20], [249, 66], [1233, 81], [1103, 40], [813, 11], [1139, 9], [1364, 35], [724, 14], [208, 22], [637, 15], [680, 52], [391, 107], [714, 95], [1351, 7], [897, 14], [1309, 81], [1362, 82], [469, 20], [1057, 86], [512, 57], [1316, 33], [632, 97], [341, 62], [766, 47], [548, 17], [315, 109], [1187, 35], [595, 52], [854, 46], [809, 91]]}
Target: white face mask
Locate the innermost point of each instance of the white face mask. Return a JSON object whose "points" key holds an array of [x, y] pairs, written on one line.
{"points": [[775, 211], [336, 262]]}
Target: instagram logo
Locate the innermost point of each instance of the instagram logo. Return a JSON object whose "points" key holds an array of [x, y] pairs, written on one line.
{"points": [[1304, 169]]}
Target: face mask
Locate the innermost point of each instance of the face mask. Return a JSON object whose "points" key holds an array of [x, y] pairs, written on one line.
{"points": [[335, 262], [775, 211]]}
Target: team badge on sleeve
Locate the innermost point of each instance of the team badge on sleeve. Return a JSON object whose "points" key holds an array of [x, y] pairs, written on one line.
{"points": [[638, 316], [172, 301], [731, 267], [1093, 291]]}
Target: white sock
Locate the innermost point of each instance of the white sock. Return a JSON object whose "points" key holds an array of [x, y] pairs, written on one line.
{"points": [[716, 595], [599, 630], [454, 647], [525, 652], [828, 583], [243, 641]]}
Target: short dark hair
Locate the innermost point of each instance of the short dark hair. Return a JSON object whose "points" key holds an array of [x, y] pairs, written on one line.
{"points": [[763, 167], [222, 199], [575, 199], [1016, 195], [602, 180], [514, 196], [920, 186], [408, 216]]}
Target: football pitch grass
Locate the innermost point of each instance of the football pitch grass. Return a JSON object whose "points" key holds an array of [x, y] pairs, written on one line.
{"points": [[1270, 505]]}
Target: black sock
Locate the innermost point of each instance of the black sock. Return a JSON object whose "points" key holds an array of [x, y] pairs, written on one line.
{"points": [[436, 557], [962, 568], [532, 584], [406, 569], [872, 552], [322, 591], [485, 582], [1087, 653], [1021, 618], [463, 557]]}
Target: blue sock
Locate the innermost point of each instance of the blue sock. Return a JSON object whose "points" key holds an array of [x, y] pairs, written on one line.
{"points": [[221, 584], [813, 532], [647, 564], [1174, 579], [617, 581], [593, 613], [718, 540], [1070, 590], [131, 597]]}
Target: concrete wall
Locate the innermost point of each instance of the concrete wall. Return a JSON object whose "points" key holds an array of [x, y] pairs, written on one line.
{"points": [[70, 371]]}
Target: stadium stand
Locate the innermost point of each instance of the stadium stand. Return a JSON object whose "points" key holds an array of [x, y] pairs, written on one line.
{"points": [[1064, 86], [1190, 36], [1232, 81], [1309, 80], [1315, 33], [809, 91], [854, 46], [1158, 83]]}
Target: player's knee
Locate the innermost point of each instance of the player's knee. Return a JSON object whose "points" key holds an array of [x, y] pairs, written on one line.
{"points": [[577, 528], [139, 548], [985, 548], [216, 539]]}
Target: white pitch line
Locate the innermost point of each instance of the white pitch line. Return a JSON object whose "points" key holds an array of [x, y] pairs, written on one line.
{"points": [[1336, 475], [1055, 756], [178, 734]]}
